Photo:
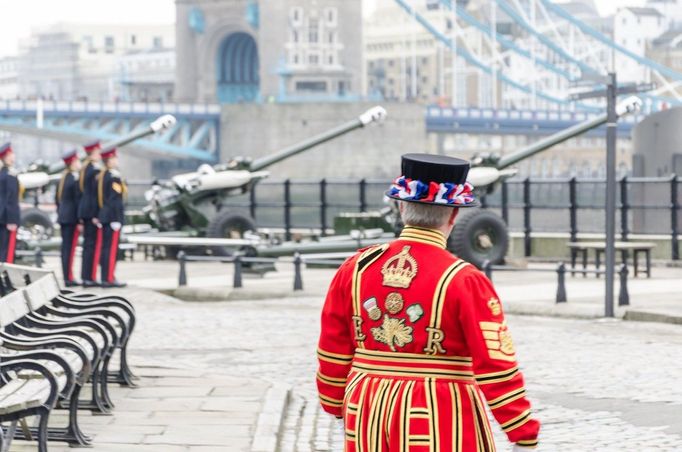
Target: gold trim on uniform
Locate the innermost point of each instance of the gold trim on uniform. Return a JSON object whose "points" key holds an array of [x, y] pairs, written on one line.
{"points": [[81, 179], [423, 235], [497, 377], [398, 357], [336, 403], [394, 371], [494, 306], [394, 303], [516, 422], [432, 406], [368, 257], [436, 336], [400, 270], [507, 398], [457, 413], [498, 340], [530, 443], [393, 332], [331, 381], [334, 358]]}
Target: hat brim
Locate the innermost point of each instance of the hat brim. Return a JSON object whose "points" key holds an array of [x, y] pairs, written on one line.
{"points": [[474, 203]]}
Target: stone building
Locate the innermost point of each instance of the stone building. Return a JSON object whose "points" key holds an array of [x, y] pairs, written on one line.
{"points": [[242, 50]]}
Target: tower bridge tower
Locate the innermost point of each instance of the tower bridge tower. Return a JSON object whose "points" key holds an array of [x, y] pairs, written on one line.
{"points": [[233, 51]]}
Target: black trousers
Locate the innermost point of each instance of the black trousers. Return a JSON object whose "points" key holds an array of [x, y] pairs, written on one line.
{"points": [[92, 242], [109, 253], [70, 235], [8, 244]]}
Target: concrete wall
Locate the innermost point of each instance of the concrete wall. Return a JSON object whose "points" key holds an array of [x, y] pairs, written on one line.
{"points": [[256, 130]]}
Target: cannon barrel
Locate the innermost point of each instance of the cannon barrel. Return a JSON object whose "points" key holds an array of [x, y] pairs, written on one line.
{"points": [[159, 124], [627, 106], [375, 114]]}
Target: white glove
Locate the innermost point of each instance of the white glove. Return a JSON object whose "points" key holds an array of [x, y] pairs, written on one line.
{"points": [[518, 448], [341, 426], [115, 226]]}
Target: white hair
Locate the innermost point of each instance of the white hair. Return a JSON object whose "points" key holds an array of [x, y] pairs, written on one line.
{"points": [[425, 215]]}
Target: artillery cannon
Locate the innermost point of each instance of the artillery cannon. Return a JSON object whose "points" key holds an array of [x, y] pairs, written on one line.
{"points": [[193, 202], [36, 224], [479, 234]]}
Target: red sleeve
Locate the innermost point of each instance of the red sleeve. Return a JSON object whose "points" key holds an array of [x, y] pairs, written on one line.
{"points": [[336, 345], [494, 360]]}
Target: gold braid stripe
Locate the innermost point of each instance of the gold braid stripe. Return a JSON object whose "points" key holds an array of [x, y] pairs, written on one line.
{"points": [[432, 406], [465, 377], [517, 421], [365, 260], [359, 431], [457, 413], [323, 379], [441, 290], [380, 355], [430, 235], [81, 181], [420, 239], [531, 443], [337, 356], [60, 188], [391, 403], [506, 398], [477, 426], [330, 401], [100, 189], [496, 377]]}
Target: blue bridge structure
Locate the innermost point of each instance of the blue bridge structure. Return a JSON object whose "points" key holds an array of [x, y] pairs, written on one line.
{"points": [[535, 99]]}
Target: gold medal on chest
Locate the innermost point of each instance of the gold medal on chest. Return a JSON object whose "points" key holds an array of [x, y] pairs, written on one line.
{"points": [[394, 303], [372, 309], [400, 270]]}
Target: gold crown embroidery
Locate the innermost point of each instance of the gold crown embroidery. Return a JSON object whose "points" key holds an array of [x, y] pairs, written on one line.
{"points": [[494, 306], [400, 270]]}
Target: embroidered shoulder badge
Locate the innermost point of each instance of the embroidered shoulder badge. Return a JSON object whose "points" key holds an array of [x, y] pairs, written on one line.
{"points": [[494, 306], [117, 187], [400, 270], [393, 332], [498, 340]]}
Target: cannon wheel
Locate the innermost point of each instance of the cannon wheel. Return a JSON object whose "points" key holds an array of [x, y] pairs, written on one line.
{"points": [[228, 225], [38, 223], [479, 235]]}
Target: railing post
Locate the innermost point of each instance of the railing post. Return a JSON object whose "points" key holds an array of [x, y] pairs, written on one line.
{"points": [[624, 208], [561, 286], [488, 269], [298, 278], [252, 201], [237, 280], [287, 210], [323, 206], [526, 217], [363, 195], [675, 209], [182, 277], [623, 296], [573, 208], [39, 257], [27, 279], [505, 201]]}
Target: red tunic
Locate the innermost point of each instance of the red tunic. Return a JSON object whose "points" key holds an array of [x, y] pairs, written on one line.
{"points": [[411, 337]]}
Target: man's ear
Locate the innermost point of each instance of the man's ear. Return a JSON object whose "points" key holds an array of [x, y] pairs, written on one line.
{"points": [[453, 215]]}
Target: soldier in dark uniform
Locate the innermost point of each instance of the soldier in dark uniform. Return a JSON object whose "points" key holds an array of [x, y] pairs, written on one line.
{"points": [[111, 191], [87, 213], [10, 213], [67, 200]]}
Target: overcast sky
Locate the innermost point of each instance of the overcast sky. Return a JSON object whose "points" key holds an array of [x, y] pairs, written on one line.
{"points": [[17, 17]]}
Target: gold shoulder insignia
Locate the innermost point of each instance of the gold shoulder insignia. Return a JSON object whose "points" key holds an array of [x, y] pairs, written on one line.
{"points": [[494, 306], [498, 340], [400, 270], [118, 188]]}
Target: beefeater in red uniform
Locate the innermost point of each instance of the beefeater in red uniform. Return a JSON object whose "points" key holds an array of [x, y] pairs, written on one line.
{"points": [[414, 339]]}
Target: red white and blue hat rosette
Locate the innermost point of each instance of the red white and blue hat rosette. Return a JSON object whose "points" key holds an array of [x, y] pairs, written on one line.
{"points": [[433, 179]]}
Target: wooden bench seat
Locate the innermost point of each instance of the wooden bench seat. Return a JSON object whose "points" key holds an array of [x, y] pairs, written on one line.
{"points": [[625, 248]]}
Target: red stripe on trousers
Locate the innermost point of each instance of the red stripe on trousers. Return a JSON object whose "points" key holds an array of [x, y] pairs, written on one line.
{"points": [[11, 245], [98, 251], [113, 251], [72, 254]]}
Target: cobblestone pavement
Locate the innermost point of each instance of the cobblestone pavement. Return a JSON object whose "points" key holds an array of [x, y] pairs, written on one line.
{"points": [[596, 384]]}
